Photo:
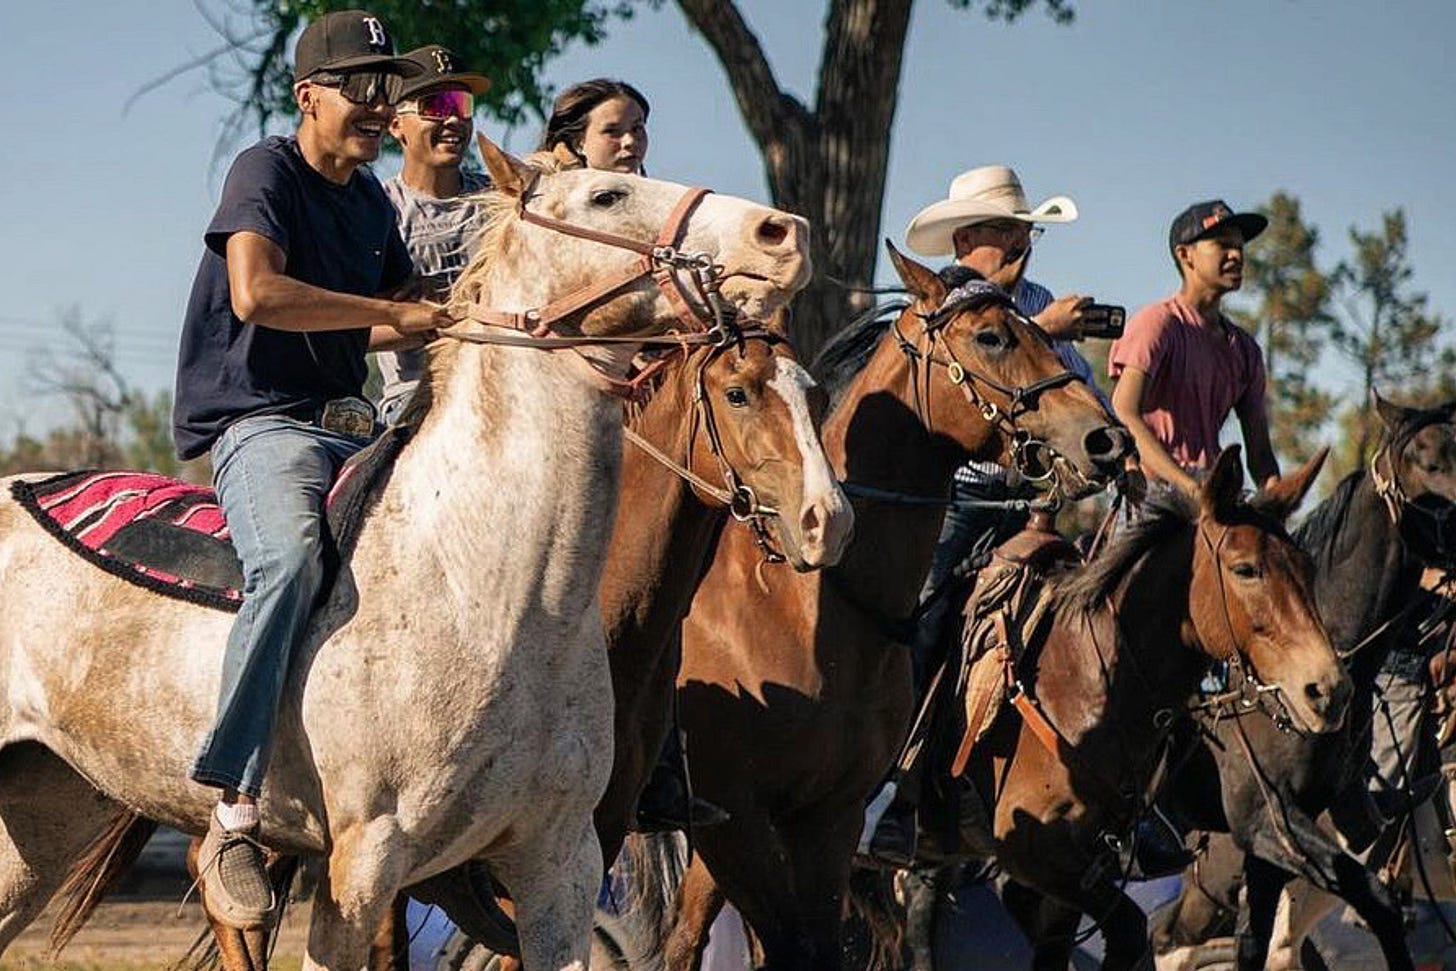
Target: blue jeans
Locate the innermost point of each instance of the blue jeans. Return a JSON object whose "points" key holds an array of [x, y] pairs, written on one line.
{"points": [[963, 528], [272, 475]]}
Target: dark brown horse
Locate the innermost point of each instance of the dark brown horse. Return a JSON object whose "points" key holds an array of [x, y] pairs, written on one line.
{"points": [[1059, 781], [796, 694], [1371, 540], [733, 426]]}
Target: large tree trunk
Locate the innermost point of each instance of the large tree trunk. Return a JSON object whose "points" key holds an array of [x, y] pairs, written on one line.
{"points": [[828, 164]]}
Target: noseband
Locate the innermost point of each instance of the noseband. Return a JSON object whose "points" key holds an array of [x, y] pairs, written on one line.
{"points": [[1021, 398]]}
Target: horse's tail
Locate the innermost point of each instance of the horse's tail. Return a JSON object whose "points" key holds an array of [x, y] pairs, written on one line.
{"points": [[875, 929], [654, 871], [97, 872]]}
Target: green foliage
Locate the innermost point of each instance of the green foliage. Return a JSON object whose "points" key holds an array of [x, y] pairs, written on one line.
{"points": [[509, 41], [1385, 328], [1060, 11], [1290, 318]]}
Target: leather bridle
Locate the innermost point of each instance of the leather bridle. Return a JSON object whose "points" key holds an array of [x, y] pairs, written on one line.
{"points": [[1440, 523], [740, 499], [699, 307], [1033, 458]]}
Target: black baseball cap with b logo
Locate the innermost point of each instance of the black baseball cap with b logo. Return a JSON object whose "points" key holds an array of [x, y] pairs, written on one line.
{"points": [[439, 66], [348, 40], [1203, 219]]}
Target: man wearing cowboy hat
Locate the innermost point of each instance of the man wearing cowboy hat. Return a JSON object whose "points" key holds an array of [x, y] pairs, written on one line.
{"points": [[1182, 366], [987, 224], [436, 198]]}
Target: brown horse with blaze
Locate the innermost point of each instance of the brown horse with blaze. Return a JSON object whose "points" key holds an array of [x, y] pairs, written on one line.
{"points": [[796, 695]]}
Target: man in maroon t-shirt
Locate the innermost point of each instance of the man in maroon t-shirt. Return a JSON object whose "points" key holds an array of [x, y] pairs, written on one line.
{"points": [[1182, 366]]}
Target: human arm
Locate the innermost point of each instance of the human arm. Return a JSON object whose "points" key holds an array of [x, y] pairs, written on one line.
{"points": [[1127, 402], [264, 295], [1253, 412], [1263, 466], [1062, 318]]}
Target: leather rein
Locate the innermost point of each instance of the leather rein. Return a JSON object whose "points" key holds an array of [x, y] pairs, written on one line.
{"points": [[660, 260], [713, 326]]}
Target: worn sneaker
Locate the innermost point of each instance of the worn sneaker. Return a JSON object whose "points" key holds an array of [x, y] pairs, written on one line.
{"points": [[235, 885]]}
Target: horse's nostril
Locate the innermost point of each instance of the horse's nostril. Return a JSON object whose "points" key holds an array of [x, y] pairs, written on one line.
{"points": [[773, 230], [1312, 692], [810, 521], [1109, 443]]}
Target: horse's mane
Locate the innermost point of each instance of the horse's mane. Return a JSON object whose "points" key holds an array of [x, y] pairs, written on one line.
{"points": [[1160, 518], [849, 350], [1326, 523], [499, 210]]}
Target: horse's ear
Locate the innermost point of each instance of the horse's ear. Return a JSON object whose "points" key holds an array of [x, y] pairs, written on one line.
{"points": [[1287, 492], [1225, 484], [508, 174], [1392, 415], [566, 158], [920, 280]]}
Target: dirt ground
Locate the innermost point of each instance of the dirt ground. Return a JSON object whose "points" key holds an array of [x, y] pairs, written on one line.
{"points": [[139, 927], [131, 935]]}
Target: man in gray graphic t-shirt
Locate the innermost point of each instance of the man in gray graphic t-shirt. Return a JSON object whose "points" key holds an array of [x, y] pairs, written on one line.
{"points": [[440, 214]]}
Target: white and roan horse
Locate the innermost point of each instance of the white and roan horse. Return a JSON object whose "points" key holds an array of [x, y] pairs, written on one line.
{"points": [[452, 698]]}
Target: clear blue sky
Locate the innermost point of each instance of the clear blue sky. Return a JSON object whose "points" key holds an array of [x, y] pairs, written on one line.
{"points": [[1135, 110]]}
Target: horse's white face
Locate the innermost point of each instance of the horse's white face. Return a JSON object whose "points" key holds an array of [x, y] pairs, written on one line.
{"points": [[764, 253]]}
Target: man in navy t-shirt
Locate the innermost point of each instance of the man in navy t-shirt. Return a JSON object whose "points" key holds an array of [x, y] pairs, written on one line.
{"points": [[269, 378]]}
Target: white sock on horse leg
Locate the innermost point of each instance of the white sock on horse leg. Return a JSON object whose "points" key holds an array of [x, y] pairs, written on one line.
{"points": [[237, 815]]}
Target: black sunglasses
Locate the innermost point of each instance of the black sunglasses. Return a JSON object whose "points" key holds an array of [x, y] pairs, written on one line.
{"points": [[360, 87]]}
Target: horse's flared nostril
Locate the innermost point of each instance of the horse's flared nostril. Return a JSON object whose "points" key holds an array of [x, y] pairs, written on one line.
{"points": [[776, 231], [1107, 445], [810, 523]]}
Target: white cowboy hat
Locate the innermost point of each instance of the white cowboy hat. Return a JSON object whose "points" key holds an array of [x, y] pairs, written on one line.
{"points": [[980, 195]]}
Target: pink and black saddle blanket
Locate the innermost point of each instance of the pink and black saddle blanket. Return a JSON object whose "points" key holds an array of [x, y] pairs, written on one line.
{"points": [[170, 536]]}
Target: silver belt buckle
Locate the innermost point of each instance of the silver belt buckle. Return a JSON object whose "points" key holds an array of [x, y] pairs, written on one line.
{"points": [[348, 416]]}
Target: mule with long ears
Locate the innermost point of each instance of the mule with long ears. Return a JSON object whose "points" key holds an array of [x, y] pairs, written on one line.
{"points": [[796, 693], [1127, 639], [1381, 528], [452, 697]]}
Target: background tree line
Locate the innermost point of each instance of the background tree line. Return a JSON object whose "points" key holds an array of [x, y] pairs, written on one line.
{"points": [[1331, 331]]}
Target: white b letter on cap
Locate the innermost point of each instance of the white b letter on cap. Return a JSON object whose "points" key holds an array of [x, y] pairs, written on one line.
{"points": [[377, 36]]}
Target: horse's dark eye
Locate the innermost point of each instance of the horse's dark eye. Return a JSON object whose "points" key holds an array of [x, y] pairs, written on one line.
{"points": [[1245, 571], [605, 198], [990, 338], [737, 397]]}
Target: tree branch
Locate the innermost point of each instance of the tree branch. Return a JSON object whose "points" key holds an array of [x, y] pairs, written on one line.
{"points": [[760, 100]]}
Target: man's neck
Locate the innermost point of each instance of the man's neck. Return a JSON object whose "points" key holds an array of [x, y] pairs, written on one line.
{"points": [[1201, 299], [442, 182], [335, 168]]}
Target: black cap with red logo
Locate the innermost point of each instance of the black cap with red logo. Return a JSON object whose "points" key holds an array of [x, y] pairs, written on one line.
{"points": [[348, 40], [1203, 219]]}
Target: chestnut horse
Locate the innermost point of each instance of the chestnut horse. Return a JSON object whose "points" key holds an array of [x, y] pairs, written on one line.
{"points": [[1058, 783], [1371, 541], [796, 692], [452, 699], [728, 426]]}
